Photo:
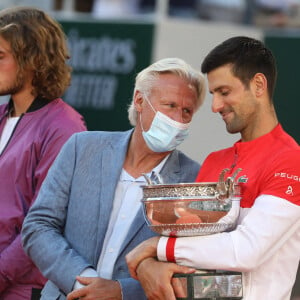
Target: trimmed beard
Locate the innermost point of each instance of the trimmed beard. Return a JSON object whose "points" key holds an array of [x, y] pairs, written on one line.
{"points": [[15, 87]]}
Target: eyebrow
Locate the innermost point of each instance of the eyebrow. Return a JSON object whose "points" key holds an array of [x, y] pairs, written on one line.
{"points": [[217, 89]]}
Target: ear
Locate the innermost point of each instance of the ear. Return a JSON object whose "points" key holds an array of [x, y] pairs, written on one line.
{"points": [[260, 84], [138, 100]]}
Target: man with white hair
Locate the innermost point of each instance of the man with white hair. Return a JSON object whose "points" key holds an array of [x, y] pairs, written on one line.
{"points": [[88, 215]]}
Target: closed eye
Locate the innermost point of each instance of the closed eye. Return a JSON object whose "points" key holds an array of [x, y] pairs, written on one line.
{"points": [[225, 93], [172, 105]]}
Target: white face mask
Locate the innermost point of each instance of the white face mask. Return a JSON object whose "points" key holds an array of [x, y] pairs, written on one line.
{"points": [[165, 134]]}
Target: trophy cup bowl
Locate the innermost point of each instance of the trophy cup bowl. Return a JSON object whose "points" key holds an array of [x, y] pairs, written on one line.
{"points": [[193, 209], [188, 209]]}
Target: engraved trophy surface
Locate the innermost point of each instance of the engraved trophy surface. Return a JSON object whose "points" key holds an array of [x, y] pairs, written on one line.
{"points": [[190, 209]]}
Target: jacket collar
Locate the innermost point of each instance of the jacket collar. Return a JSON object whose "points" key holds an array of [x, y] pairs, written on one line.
{"points": [[36, 104]]}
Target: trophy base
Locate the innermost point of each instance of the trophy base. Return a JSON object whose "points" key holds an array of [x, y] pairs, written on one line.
{"points": [[208, 284]]}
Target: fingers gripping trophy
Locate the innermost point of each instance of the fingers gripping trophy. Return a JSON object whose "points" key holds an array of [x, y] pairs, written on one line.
{"points": [[190, 209]]}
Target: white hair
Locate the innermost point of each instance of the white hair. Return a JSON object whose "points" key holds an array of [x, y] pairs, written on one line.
{"points": [[145, 81]]}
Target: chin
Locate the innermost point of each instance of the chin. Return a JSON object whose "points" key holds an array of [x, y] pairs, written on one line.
{"points": [[232, 130]]}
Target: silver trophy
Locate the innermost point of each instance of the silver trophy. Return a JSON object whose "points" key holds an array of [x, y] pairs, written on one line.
{"points": [[190, 209]]}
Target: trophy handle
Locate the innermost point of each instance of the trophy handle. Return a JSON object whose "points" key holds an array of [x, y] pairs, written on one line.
{"points": [[225, 188]]}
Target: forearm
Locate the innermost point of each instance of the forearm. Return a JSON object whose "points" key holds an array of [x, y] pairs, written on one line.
{"points": [[269, 223], [146, 249], [156, 278]]}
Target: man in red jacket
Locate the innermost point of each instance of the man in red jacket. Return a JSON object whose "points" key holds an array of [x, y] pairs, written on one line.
{"points": [[265, 246]]}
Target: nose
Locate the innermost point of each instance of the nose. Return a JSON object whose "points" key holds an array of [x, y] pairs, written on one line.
{"points": [[178, 116], [217, 104]]}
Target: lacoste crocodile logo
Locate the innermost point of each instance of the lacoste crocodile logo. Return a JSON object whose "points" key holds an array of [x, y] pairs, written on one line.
{"points": [[243, 179]]}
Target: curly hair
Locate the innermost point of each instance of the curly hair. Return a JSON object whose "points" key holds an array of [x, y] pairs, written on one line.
{"points": [[38, 44]]}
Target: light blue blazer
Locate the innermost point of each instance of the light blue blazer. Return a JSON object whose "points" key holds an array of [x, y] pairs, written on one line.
{"points": [[64, 230]]}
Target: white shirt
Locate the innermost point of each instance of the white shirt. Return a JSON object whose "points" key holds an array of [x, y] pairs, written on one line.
{"points": [[7, 131], [127, 202]]}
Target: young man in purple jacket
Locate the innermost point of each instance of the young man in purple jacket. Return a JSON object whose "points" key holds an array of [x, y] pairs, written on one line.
{"points": [[33, 127]]}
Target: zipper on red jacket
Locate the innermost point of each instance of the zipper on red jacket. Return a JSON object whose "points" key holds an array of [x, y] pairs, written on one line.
{"points": [[234, 161]]}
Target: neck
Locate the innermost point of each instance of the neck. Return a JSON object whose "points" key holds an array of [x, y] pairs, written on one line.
{"points": [[21, 102], [139, 158], [264, 124]]}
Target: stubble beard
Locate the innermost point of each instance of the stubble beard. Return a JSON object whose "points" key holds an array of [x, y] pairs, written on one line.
{"points": [[15, 87], [235, 125]]}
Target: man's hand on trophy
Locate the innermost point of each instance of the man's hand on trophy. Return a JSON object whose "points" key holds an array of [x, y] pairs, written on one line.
{"points": [[138, 254], [157, 279]]}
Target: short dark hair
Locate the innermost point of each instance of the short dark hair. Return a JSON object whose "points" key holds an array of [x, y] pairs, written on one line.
{"points": [[248, 56]]}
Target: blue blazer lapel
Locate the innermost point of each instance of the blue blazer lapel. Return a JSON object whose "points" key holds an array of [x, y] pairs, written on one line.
{"points": [[112, 160], [171, 172]]}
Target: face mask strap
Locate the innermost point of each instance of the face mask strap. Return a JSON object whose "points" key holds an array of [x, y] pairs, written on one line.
{"points": [[165, 118], [146, 98], [141, 122]]}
